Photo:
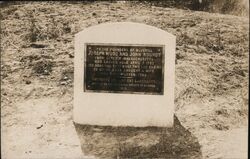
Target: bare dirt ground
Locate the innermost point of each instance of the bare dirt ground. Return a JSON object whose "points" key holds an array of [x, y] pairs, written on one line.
{"points": [[211, 92]]}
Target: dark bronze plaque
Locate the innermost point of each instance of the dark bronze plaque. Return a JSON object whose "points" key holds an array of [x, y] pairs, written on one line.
{"points": [[124, 68]]}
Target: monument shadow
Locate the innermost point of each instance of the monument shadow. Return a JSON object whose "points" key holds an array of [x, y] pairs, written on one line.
{"points": [[138, 142]]}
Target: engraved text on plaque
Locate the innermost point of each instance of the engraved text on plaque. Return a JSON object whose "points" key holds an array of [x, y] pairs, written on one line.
{"points": [[124, 68]]}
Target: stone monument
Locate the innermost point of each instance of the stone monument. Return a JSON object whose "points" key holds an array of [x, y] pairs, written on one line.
{"points": [[124, 75]]}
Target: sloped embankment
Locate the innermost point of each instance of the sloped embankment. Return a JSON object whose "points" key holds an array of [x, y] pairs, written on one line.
{"points": [[37, 62]]}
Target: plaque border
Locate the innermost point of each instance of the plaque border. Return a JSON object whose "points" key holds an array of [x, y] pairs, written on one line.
{"points": [[123, 92]]}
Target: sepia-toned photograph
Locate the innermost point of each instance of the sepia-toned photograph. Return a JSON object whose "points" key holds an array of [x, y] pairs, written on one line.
{"points": [[143, 79]]}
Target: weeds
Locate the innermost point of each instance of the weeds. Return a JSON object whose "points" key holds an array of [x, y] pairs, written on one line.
{"points": [[43, 67], [53, 29], [34, 31]]}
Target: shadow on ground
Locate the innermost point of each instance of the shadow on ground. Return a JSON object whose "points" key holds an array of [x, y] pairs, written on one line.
{"points": [[135, 142]]}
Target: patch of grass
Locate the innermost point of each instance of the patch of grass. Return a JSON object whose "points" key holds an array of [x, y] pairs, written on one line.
{"points": [[43, 67], [51, 29]]}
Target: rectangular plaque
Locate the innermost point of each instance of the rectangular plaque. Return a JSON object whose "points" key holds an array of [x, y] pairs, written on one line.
{"points": [[124, 68]]}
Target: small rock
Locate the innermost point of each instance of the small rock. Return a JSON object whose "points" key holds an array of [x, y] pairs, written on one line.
{"points": [[27, 82], [39, 127], [65, 77], [38, 45], [18, 14], [241, 73], [63, 83]]}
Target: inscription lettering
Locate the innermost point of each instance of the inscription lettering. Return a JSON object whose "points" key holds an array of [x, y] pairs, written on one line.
{"points": [[132, 69]]}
